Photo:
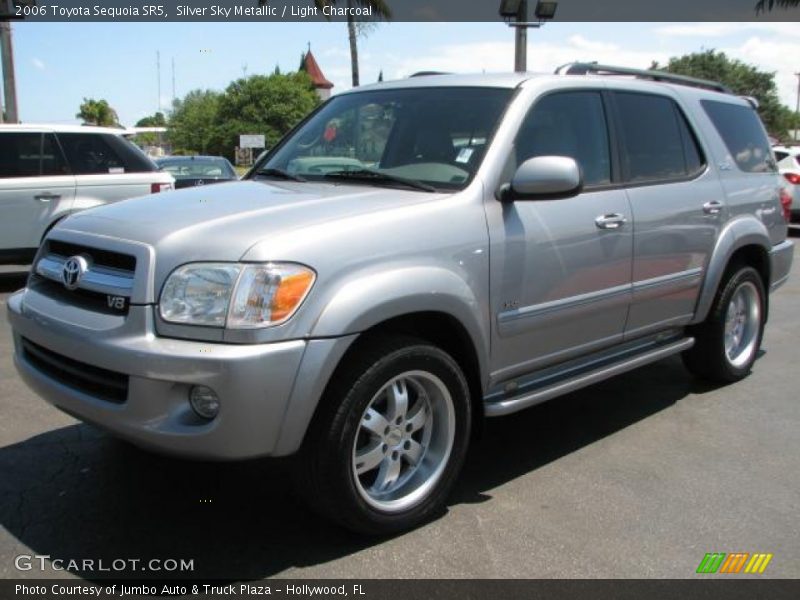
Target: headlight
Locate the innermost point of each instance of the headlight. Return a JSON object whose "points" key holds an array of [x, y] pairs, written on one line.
{"points": [[237, 296]]}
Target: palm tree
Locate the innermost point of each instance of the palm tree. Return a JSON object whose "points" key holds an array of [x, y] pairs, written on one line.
{"points": [[380, 10], [764, 5], [97, 112]]}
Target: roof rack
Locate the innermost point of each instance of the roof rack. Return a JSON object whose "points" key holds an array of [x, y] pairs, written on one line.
{"points": [[579, 68], [427, 73]]}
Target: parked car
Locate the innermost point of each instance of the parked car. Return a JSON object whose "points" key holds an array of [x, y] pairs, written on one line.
{"points": [[500, 241], [50, 171], [190, 171], [788, 158]]}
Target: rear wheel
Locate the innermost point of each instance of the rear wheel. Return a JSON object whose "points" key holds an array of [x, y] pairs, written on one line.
{"points": [[727, 343], [390, 438]]}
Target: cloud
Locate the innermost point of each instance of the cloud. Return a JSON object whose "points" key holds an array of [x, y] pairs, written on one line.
{"points": [[717, 30], [38, 63], [542, 57], [779, 56]]}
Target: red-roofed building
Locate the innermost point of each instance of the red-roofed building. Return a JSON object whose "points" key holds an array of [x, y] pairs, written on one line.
{"points": [[310, 66]]}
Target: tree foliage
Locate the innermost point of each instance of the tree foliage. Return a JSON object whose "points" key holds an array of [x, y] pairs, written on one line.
{"points": [[743, 79], [156, 120], [208, 122], [97, 112], [764, 5], [193, 123]]}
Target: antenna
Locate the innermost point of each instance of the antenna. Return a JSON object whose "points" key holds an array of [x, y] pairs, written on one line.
{"points": [[244, 70], [158, 74]]}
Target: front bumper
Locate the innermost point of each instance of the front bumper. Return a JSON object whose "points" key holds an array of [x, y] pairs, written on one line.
{"points": [[780, 258], [256, 383]]}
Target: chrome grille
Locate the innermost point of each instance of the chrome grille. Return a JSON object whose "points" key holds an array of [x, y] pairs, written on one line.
{"points": [[105, 286]]}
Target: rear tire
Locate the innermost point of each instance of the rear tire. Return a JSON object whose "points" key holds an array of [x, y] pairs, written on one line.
{"points": [[727, 342], [389, 438]]}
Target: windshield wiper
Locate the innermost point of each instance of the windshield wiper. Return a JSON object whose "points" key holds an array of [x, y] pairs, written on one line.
{"points": [[378, 177], [280, 173]]}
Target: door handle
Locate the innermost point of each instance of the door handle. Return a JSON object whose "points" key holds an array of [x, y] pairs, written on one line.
{"points": [[610, 221], [712, 207], [46, 197]]}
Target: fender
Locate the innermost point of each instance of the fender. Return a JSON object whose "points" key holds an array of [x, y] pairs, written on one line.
{"points": [[367, 299], [363, 301], [745, 230]]}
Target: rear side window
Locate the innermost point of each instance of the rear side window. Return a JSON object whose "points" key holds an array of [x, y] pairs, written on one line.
{"points": [[20, 154], [743, 134], [53, 162], [568, 124], [94, 154], [657, 144]]}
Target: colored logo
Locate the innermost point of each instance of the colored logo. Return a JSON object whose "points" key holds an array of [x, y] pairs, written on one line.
{"points": [[735, 562]]}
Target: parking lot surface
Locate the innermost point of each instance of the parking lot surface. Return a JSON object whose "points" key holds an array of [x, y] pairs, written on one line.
{"points": [[639, 476]]}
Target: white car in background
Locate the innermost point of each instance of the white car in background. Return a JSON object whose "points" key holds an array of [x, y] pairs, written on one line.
{"points": [[788, 158], [50, 171]]}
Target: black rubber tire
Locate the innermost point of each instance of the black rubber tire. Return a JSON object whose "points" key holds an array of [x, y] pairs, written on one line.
{"points": [[707, 358], [323, 473]]}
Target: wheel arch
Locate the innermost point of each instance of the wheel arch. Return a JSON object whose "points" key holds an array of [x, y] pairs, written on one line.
{"points": [[743, 241], [441, 329]]}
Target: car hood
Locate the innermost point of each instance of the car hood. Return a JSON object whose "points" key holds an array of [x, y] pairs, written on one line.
{"points": [[221, 222]]}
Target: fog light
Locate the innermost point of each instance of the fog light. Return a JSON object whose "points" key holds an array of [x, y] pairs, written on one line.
{"points": [[204, 401]]}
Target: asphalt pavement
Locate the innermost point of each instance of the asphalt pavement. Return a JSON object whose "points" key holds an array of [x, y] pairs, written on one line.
{"points": [[639, 476]]}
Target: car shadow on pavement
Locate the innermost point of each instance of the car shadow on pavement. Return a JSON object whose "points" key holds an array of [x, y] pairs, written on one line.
{"points": [[75, 492]]}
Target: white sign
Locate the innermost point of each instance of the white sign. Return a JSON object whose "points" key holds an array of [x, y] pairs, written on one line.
{"points": [[252, 141]]}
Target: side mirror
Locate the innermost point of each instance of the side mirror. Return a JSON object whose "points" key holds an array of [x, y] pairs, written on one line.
{"points": [[544, 178]]}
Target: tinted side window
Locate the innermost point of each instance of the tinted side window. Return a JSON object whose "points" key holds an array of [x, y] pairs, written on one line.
{"points": [[90, 154], [53, 162], [568, 124], [657, 143], [20, 154], [743, 134], [780, 155]]}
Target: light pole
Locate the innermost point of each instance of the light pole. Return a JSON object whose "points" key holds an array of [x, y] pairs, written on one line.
{"points": [[518, 11]]}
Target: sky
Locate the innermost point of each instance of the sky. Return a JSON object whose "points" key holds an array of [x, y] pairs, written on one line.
{"points": [[58, 64]]}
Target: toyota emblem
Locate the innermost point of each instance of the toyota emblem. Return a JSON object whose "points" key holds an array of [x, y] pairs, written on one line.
{"points": [[74, 269]]}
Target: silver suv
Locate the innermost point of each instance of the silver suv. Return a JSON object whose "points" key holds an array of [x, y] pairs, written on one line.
{"points": [[412, 258]]}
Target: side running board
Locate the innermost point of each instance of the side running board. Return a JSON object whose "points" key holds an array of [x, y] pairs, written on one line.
{"points": [[583, 379]]}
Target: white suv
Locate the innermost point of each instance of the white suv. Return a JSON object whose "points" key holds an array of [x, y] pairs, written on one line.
{"points": [[48, 172], [788, 159]]}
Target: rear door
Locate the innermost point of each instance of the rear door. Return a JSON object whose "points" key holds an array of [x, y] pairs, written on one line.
{"points": [[36, 189], [678, 207], [108, 168]]}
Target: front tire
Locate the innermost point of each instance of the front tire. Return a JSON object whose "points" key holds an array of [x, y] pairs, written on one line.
{"points": [[727, 343], [389, 439]]}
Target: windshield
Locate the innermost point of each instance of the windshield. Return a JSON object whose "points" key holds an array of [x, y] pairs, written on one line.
{"points": [[193, 168], [432, 135]]}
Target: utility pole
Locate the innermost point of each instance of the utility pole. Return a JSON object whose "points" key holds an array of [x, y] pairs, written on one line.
{"points": [[9, 81]]}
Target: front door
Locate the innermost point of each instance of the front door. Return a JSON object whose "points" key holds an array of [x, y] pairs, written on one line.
{"points": [[560, 268]]}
